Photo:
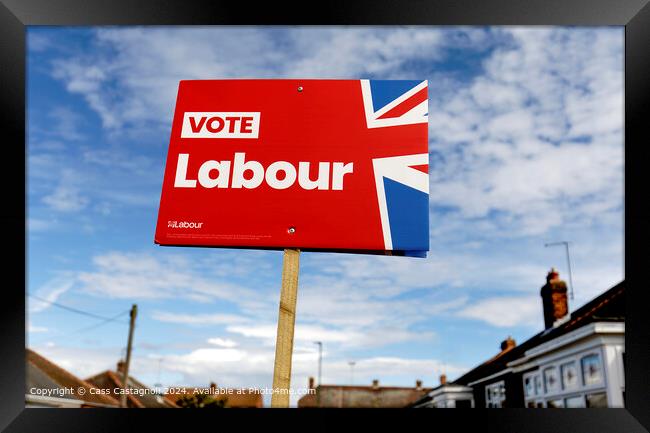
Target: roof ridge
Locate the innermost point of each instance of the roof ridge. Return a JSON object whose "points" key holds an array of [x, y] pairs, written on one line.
{"points": [[604, 301]]}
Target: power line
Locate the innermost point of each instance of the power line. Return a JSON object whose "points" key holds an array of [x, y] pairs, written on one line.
{"points": [[74, 310], [103, 322]]}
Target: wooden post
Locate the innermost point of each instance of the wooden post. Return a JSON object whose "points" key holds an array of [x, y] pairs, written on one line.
{"points": [[125, 376], [286, 322]]}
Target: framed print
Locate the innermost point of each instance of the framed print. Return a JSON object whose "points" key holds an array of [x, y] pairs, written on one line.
{"points": [[160, 155]]}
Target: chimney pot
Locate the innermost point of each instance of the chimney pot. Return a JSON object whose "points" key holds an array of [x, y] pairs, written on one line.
{"points": [[554, 299], [508, 343], [553, 275], [375, 383], [120, 366], [443, 379], [311, 382], [418, 384]]}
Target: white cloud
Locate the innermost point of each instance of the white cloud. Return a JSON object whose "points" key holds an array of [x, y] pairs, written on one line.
{"points": [[223, 342], [39, 225], [50, 292], [303, 333], [376, 367], [506, 311], [66, 199], [43, 170], [36, 329], [210, 356], [349, 52], [37, 42], [65, 124], [111, 158], [67, 196], [507, 138], [149, 276], [197, 319]]}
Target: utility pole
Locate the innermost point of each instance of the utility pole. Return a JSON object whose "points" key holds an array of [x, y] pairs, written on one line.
{"points": [[125, 377], [320, 360], [568, 261]]}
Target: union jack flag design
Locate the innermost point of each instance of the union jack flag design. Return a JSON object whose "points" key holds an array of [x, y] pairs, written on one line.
{"points": [[395, 102], [402, 182]]}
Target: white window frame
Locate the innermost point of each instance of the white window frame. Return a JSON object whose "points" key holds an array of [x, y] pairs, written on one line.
{"points": [[556, 369], [602, 370], [495, 402], [578, 379], [562, 394]]}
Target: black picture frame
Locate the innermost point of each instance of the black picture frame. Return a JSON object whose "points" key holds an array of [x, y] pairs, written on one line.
{"points": [[15, 15]]}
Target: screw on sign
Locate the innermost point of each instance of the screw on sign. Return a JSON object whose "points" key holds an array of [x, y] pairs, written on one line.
{"points": [[298, 165]]}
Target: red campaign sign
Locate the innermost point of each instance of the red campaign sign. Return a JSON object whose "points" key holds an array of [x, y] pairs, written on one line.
{"points": [[325, 165]]}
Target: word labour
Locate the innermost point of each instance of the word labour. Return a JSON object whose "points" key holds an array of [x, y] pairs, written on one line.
{"points": [[251, 174]]}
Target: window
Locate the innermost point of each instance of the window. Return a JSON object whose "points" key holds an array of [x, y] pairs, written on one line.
{"points": [[597, 400], [528, 387], [495, 394], [577, 380], [551, 380], [569, 374], [578, 401], [538, 385], [592, 372], [463, 403]]}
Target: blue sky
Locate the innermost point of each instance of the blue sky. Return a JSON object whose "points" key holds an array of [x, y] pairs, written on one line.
{"points": [[526, 145]]}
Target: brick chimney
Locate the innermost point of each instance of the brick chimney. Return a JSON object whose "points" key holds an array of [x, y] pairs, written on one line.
{"points": [[213, 388], [554, 299], [120, 366], [508, 343], [418, 384], [375, 384], [443, 379], [311, 382]]}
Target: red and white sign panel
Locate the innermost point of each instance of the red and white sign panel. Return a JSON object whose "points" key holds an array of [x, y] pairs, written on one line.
{"points": [[310, 164]]}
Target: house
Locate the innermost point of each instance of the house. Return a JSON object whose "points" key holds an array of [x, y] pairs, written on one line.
{"points": [[348, 396], [447, 395], [231, 397], [48, 385], [578, 359], [139, 396]]}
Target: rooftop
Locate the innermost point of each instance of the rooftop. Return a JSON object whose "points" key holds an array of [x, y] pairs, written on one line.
{"points": [[43, 373], [607, 307]]}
